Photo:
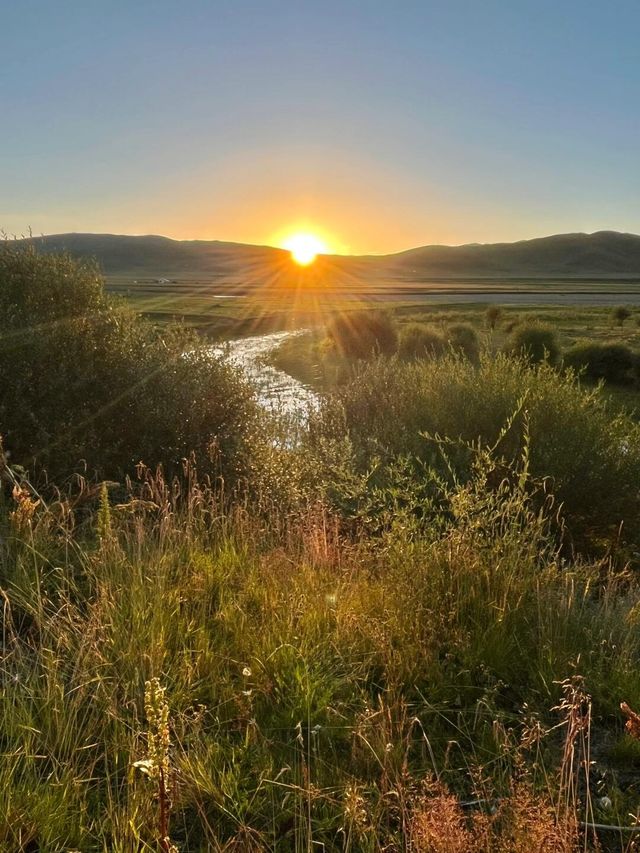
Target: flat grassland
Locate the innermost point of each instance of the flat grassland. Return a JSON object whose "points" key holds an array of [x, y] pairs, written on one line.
{"points": [[224, 307]]}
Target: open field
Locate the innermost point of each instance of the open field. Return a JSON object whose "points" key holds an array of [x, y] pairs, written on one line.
{"points": [[223, 311]]}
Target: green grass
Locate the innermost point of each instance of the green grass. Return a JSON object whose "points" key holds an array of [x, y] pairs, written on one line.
{"points": [[299, 668], [309, 359], [326, 638]]}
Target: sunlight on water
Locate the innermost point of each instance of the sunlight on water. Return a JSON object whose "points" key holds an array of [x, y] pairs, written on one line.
{"points": [[276, 389]]}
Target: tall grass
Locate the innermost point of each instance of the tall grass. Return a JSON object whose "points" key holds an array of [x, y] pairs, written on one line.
{"points": [[317, 688]]}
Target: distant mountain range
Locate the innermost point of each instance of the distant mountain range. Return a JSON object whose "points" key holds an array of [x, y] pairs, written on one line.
{"points": [[599, 255]]}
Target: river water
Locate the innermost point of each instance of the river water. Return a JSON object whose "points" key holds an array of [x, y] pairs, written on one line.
{"points": [[277, 391]]}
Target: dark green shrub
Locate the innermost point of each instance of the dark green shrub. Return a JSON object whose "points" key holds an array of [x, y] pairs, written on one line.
{"points": [[619, 314], [590, 457], [614, 362], [463, 339], [86, 381], [363, 334], [535, 342], [420, 341]]}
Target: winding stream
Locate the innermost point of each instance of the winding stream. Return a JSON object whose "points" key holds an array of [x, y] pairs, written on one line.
{"points": [[277, 391]]}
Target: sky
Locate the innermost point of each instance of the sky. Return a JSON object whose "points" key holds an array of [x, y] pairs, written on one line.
{"points": [[378, 126]]}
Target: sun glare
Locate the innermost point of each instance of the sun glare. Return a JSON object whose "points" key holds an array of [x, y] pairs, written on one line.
{"points": [[304, 248]]}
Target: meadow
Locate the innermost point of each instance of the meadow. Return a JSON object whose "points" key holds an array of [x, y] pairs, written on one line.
{"points": [[407, 623]]}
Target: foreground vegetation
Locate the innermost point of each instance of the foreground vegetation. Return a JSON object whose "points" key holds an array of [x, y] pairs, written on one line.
{"points": [[349, 692], [408, 627]]}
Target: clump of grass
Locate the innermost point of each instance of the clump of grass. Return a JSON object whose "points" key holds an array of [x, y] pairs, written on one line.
{"points": [[536, 342], [493, 315], [613, 362], [620, 314], [363, 334], [420, 341], [463, 339]]}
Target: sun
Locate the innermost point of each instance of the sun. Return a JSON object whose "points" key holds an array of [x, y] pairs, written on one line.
{"points": [[304, 248]]}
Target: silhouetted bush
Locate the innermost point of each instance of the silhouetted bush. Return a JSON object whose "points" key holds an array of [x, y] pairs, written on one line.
{"points": [[463, 338], [363, 334], [420, 341], [613, 362], [86, 381], [534, 342], [619, 314]]}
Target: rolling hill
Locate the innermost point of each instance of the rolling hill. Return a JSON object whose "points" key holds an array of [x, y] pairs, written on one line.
{"points": [[604, 254]]}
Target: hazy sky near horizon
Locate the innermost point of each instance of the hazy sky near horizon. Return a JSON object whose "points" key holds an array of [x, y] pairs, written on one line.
{"points": [[380, 125]]}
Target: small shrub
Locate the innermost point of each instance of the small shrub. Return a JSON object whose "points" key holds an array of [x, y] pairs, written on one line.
{"points": [[493, 314], [420, 341], [363, 334], [614, 362], [535, 342], [463, 338], [619, 314]]}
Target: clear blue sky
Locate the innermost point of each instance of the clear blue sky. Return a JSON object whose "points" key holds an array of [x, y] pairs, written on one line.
{"points": [[382, 125]]}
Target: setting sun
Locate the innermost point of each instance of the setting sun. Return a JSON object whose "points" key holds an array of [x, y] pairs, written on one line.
{"points": [[304, 248]]}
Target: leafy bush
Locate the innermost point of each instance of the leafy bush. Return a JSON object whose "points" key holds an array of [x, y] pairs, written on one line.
{"points": [[589, 457], [535, 342], [614, 362], [420, 341], [85, 379], [363, 334], [463, 338], [619, 314]]}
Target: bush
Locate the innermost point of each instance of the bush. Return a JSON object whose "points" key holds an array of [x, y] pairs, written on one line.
{"points": [[535, 342], [589, 457], [463, 338], [363, 334], [420, 341], [493, 315], [616, 363], [86, 381], [619, 314]]}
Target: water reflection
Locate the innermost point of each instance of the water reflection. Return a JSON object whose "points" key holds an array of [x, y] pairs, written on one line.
{"points": [[276, 390]]}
